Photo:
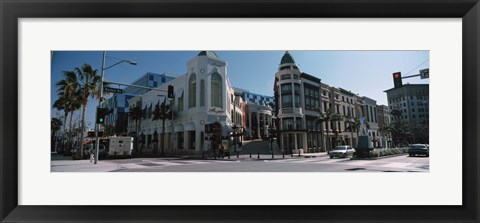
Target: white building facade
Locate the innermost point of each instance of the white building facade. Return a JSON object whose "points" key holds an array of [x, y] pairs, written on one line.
{"points": [[202, 96]]}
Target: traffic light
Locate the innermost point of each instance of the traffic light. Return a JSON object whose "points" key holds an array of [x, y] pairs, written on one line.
{"points": [[170, 91], [397, 79], [101, 112], [90, 134]]}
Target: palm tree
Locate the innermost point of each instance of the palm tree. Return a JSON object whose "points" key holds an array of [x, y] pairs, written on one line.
{"points": [[136, 114], [161, 112], [74, 104], [330, 116], [66, 90], [61, 104], [55, 124], [89, 82], [354, 126], [398, 130]]}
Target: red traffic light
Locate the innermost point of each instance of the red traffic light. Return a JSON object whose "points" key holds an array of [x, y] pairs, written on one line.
{"points": [[397, 79]]}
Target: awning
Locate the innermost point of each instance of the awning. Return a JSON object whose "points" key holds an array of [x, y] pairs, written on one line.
{"points": [[190, 126], [178, 128]]}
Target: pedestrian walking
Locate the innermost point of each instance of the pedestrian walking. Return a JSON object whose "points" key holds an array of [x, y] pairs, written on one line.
{"points": [[214, 150], [222, 150]]}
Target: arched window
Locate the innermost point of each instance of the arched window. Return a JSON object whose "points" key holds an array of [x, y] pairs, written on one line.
{"points": [[216, 90], [192, 91], [180, 102]]}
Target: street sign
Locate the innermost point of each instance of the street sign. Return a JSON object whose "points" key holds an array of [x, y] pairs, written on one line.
{"points": [[424, 73], [112, 90]]}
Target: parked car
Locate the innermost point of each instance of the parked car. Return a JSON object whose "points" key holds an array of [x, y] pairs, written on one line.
{"points": [[342, 151], [418, 149]]}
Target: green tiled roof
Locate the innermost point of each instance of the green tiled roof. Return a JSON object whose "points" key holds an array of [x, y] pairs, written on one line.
{"points": [[210, 54], [287, 58]]}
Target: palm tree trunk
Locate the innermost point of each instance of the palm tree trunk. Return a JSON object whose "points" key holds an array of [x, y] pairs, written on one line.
{"points": [[85, 99], [64, 131], [328, 140], [136, 133], [163, 135], [70, 130]]}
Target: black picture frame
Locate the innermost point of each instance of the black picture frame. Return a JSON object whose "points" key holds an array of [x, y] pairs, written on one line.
{"points": [[11, 11]]}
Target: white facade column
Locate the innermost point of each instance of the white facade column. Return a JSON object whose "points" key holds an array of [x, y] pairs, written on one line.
{"points": [[250, 124], [185, 142], [198, 141], [258, 125], [305, 141], [295, 139], [282, 147]]}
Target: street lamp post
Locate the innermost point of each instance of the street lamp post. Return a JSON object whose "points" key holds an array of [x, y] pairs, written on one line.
{"points": [[100, 101], [234, 127]]}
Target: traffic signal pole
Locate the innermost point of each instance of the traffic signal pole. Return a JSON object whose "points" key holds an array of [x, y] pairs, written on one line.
{"points": [[97, 125]]}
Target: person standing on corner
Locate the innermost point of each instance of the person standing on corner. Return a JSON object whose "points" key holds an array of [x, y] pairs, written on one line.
{"points": [[222, 150]]}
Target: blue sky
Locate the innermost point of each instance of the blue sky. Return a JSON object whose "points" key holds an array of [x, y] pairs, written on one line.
{"points": [[367, 73]]}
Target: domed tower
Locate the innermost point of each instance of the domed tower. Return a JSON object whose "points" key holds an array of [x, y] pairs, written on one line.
{"points": [[206, 97], [288, 98]]}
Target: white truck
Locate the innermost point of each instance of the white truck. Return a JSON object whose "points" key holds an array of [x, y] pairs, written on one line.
{"points": [[118, 146]]}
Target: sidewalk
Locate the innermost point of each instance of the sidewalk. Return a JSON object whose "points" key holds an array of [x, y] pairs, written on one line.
{"points": [[82, 166]]}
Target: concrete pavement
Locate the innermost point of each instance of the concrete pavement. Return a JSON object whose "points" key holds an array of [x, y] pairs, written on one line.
{"points": [[68, 165], [82, 166]]}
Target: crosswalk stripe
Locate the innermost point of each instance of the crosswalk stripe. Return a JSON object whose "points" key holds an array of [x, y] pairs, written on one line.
{"points": [[132, 166], [165, 163], [397, 165]]}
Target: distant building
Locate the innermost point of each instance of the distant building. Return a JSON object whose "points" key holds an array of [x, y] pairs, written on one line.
{"points": [[409, 104], [149, 79], [116, 121], [259, 114], [346, 108], [371, 118], [384, 137]]}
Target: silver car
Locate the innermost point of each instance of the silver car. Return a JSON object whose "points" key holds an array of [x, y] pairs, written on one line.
{"points": [[342, 151]]}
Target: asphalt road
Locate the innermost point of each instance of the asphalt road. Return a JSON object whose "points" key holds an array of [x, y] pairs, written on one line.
{"points": [[401, 163]]}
